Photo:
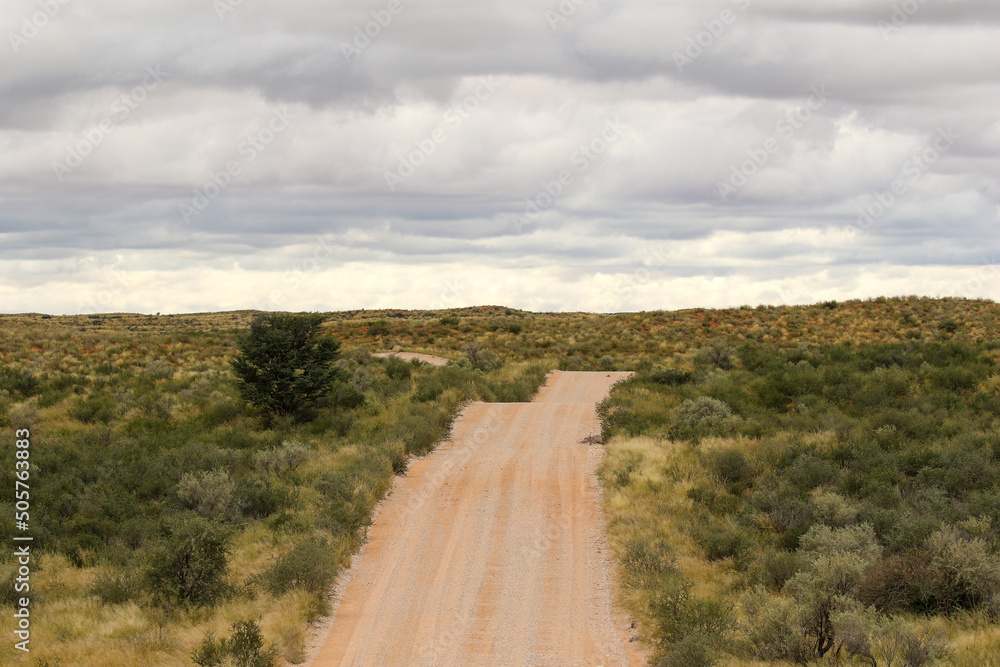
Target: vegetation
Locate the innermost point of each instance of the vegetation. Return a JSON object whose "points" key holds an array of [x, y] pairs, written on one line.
{"points": [[852, 437], [828, 502], [166, 507], [285, 364]]}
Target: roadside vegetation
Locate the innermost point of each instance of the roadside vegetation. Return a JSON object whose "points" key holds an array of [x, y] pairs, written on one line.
{"points": [[179, 523], [811, 504]]}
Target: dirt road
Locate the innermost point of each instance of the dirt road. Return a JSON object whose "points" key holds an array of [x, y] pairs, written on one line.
{"points": [[410, 356], [490, 551]]}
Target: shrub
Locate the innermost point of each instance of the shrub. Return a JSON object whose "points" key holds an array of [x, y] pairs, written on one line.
{"points": [[715, 355], [258, 498], [834, 510], [775, 568], [209, 493], [668, 377], [397, 369], [116, 586], [245, 648], [700, 415], [875, 641], [481, 357], [378, 328], [94, 409], [362, 380], [837, 559], [692, 651], [645, 562], [823, 541], [678, 615], [733, 469], [773, 628], [971, 572], [19, 382], [210, 653], [905, 582], [189, 564], [720, 541], [290, 455], [310, 565]]}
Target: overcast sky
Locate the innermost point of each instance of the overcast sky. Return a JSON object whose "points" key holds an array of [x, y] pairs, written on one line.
{"points": [[596, 155]]}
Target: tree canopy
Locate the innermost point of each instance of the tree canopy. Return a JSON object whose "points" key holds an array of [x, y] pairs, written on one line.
{"points": [[285, 363]]}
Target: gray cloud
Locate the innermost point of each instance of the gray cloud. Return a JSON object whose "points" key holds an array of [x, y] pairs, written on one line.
{"points": [[283, 150]]}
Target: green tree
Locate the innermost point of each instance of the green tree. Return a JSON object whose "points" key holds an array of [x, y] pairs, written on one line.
{"points": [[285, 364]]}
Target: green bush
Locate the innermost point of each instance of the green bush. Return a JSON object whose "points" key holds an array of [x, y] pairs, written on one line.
{"points": [[310, 565], [773, 627], [189, 564], [278, 460], [244, 648], [679, 615], [209, 493], [776, 567], [692, 651], [668, 377], [397, 369], [719, 541], [95, 409], [716, 355], [701, 416], [258, 497], [116, 586], [20, 382], [481, 357], [733, 469], [970, 570], [644, 562]]}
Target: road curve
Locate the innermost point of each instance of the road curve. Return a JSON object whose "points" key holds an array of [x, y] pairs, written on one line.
{"points": [[410, 356], [490, 551]]}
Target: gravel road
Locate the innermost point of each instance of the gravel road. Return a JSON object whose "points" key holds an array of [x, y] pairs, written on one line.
{"points": [[491, 550]]}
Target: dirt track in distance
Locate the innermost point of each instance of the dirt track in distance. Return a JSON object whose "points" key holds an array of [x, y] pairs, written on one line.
{"points": [[491, 550], [410, 356]]}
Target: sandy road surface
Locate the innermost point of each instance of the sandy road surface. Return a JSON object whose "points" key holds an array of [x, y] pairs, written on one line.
{"points": [[419, 356], [490, 551]]}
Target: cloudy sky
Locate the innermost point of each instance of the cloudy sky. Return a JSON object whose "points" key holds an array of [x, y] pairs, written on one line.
{"points": [[603, 155]]}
